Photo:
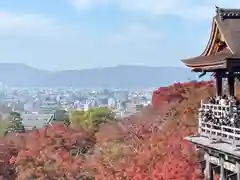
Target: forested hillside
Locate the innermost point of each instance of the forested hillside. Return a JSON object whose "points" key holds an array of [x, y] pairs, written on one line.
{"points": [[148, 146]]}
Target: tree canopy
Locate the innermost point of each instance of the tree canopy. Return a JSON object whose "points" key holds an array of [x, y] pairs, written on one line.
{"points": [[15, 122], [147, 146], [61, 116], [92, 118], [52, 155]]}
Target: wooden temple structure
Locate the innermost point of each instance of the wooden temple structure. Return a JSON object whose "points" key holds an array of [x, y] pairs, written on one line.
{"points": [[222, 54], [222, 58]]}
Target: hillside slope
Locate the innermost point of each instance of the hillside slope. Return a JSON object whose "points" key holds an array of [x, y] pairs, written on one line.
{"points": [[147, 146], [152, 145]]}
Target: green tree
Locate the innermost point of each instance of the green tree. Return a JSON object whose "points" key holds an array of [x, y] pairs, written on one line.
{"points": [[62, 116], [3, 127], [15, 122], [101, 115], [77, 117], [92, 118]]}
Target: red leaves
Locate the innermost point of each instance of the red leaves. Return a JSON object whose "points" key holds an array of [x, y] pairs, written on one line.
{"points": [[47, 153], [176, 92], [148, 146], [158, 150]]}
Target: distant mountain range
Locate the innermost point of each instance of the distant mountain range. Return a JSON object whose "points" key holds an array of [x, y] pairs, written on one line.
{"points": [[124, 76]]}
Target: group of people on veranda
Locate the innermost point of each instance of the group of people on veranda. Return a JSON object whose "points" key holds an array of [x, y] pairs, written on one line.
{"points": [[230, 111]]}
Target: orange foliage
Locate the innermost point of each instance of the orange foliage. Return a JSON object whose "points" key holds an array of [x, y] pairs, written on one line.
{"points": [[155, 146], [147, 146], [46, 153]]}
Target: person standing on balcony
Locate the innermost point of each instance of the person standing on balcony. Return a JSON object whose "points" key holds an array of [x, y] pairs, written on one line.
{"points": [[222, 101], [232, 120], [217, 99], [211, 100]]}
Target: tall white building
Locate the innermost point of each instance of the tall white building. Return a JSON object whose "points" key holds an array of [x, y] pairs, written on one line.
{"points": [[111, 102]]}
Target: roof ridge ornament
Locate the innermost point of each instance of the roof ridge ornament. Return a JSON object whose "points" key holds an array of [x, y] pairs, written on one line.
{"points": [[227, 13], [217, 9]]}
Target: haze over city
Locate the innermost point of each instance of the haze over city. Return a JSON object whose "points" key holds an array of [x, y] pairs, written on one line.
{"points": [[79, 34]]}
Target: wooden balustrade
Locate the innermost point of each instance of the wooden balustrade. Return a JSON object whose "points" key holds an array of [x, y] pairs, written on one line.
{"points": [[217, 109], [212, 131], [220, 133]]}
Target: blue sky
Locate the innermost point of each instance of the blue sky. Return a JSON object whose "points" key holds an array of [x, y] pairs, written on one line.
{"points": [[79, 34]]}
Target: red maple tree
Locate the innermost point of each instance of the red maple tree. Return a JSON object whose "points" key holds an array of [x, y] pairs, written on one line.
{"points": [[158, 153], [148, 146], [50, 153]]}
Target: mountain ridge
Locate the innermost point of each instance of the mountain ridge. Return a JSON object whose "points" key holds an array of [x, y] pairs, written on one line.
{"points": [[122, 76]]}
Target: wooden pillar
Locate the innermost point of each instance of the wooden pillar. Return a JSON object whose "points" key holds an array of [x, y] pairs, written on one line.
{"points": [[232, 176], [222, 170], [238, 170], [219, 84], [208, 172], [231, 83]]}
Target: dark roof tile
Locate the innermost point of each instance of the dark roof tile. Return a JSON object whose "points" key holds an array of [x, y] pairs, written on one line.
{"points": [[228, 13], [215, 59]]}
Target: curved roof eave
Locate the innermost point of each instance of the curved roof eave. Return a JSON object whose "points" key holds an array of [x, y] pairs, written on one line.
{"points": [[211, 60], [212, 38]]}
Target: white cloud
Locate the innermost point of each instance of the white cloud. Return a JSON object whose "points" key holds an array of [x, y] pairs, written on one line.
{"points": [[157, 7], [27, 24], [200, 9], [136, 33], [88, 4]]}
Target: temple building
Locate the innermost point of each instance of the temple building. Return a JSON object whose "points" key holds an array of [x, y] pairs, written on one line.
{"points": [[219, 117], [222, 54]]}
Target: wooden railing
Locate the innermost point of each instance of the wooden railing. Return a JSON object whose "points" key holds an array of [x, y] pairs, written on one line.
{"points": [[217, 110], [226, 134]]}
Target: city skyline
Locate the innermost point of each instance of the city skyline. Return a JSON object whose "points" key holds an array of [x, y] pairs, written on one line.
{"points": [[83, 34]]}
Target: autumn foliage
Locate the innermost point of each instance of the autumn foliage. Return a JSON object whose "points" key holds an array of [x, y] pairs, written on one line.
{"points": [[50, 153], [154, 145], [147, 146]]}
